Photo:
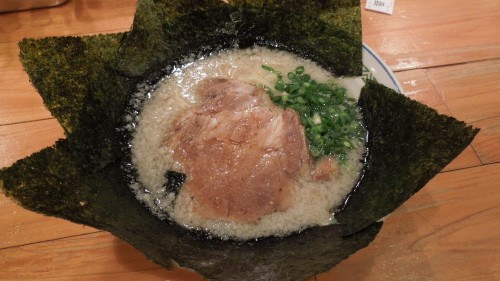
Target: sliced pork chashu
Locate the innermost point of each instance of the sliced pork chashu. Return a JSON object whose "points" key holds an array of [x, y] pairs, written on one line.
{"points": [[240, 152]]}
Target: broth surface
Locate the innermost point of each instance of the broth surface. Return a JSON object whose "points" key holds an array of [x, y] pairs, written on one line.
{"points": [[312, 196]]}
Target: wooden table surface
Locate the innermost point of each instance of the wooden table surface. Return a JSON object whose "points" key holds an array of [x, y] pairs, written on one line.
{"points": [[445, 53]]}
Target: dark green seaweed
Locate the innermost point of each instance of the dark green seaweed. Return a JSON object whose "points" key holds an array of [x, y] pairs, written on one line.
{"points": [[174, 181], [77, 80], [164, 29], [408, 144], [86, 82], [51, 182]]}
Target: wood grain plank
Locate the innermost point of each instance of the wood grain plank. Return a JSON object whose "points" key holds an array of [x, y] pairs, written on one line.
{"points": [[447, 231], [487, 142], [76, 17], [417, 86], [421, 34], [21, 106], [19, 101], [20, 140], [96, 256], [471, 90], [468, 158], [19, 226]]}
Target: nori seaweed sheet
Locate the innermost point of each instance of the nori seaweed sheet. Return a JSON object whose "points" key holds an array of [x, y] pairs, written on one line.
{"points": [[408, 144], [79, 85], [57, 187], [164, 29], [86, 82]]}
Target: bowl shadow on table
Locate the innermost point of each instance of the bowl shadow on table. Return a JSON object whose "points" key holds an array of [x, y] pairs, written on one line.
{"points": [[136, 266], [399, 250]]}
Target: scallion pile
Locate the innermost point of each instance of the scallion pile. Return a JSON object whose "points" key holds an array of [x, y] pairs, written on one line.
{"points": [[331, 119]]}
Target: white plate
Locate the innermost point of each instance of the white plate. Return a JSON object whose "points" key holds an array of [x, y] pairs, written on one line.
{"points": [[373, 68]]}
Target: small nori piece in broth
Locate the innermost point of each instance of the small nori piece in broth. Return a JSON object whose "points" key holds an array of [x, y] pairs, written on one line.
{"points": [[174, 181]]}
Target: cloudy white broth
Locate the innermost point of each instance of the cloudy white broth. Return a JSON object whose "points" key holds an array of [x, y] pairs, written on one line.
{"points": [[245, 163]]}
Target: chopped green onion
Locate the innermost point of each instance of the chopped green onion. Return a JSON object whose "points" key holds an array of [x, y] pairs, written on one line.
{"points": [[268, 68], [279, 86], [330, 118]]}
